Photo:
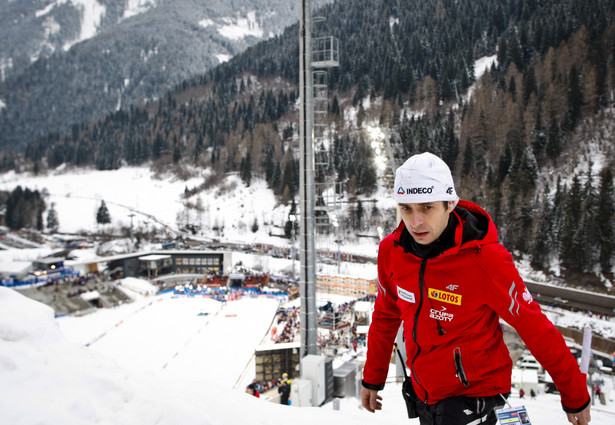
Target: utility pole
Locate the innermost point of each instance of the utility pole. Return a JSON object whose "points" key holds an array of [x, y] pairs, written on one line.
{"points": [[293, 219], [131, 215]]}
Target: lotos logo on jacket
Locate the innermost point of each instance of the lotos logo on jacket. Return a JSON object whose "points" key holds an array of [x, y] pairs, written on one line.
{"points": [[445, 297]]}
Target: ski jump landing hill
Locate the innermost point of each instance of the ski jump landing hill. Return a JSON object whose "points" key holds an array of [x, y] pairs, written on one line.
{"points": [[183, 337]]}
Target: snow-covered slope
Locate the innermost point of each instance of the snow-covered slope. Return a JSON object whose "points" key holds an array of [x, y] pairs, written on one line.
{"points": [[131, 375]]}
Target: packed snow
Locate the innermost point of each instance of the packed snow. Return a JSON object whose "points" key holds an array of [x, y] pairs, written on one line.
{"points": [[92, 13], [237, 27], [136, 7], [167, 360], [240, 27], [481, 66]]}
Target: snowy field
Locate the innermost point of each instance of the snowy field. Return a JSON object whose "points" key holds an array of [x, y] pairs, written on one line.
{"points": [[155, 202], [168, 360], [160, 334]]}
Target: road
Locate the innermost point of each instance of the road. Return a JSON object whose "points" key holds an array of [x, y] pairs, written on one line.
{"points": [[571, 298]]}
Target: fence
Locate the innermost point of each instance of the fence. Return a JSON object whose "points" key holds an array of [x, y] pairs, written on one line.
{"points": [[600, 344]]}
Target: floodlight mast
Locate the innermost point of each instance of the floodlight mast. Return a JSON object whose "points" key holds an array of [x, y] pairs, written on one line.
{"points": [[307, 286]]}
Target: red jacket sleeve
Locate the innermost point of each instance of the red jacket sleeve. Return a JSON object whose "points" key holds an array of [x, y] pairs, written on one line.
{"points": [[511, 299], [385, 324]]}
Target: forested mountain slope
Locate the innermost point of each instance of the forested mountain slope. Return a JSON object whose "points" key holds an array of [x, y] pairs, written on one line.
{"points": [[66, 62], [533, 143]]}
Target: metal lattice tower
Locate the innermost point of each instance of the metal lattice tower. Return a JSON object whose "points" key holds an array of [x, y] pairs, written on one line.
{"points": [[312, 129], [324, 197], [325, 54]]}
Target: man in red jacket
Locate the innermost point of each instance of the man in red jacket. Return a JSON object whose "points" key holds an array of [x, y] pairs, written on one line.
{"points": [[443, 274]]}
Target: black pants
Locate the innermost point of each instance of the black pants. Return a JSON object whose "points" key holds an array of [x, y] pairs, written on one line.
{"points": [[461, 411]]}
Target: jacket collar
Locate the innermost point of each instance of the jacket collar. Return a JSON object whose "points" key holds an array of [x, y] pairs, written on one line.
{"points": [[468, 225]]}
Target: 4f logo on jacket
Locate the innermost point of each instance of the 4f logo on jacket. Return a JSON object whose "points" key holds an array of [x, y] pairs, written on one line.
{"points": [[445, 297]]}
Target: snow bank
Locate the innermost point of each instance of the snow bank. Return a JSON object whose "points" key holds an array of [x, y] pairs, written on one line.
{"points": [[139, 286], [48, 379]]}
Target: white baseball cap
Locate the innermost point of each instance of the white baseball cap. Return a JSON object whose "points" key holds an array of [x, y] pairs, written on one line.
{"points": [[424, 178]]}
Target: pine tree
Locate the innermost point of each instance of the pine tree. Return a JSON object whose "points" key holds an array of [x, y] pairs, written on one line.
{"points": [[559, 199], [590, 229], [575, 99], [529, 85], [359, 215], [159, 147], [52, 219], [606, 216], [102, 215], [290, 176], [177, 154], [450, 145], [335, 106], [24, 209], [571, 219], [467, 169], [13, 217], [524, 170], [39, 221], [505, 163], [542, 234], [246, 169], [268, 165], [554, 140]]}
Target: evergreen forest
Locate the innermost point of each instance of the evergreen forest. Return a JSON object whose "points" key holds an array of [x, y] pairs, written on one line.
{"points": [[521, 145]]}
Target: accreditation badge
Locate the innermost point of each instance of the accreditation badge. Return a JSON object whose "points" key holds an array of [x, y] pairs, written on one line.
{"points": [[513, 416]]}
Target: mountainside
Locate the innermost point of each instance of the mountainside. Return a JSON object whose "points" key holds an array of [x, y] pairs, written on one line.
{"points": [[532, 140], [65, 62]]}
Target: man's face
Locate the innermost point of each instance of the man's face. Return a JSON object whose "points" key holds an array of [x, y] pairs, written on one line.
{"points": [[426, 222]]}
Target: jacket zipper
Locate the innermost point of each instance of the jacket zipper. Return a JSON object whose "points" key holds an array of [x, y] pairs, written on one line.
{"points": [[461, 373], [416, 320]]}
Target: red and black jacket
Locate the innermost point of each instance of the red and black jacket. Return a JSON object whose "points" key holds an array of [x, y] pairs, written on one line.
{"points": [[451, 302]]}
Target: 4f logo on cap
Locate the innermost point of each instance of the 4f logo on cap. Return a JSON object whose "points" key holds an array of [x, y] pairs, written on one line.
{"points": [[445, 297]]}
